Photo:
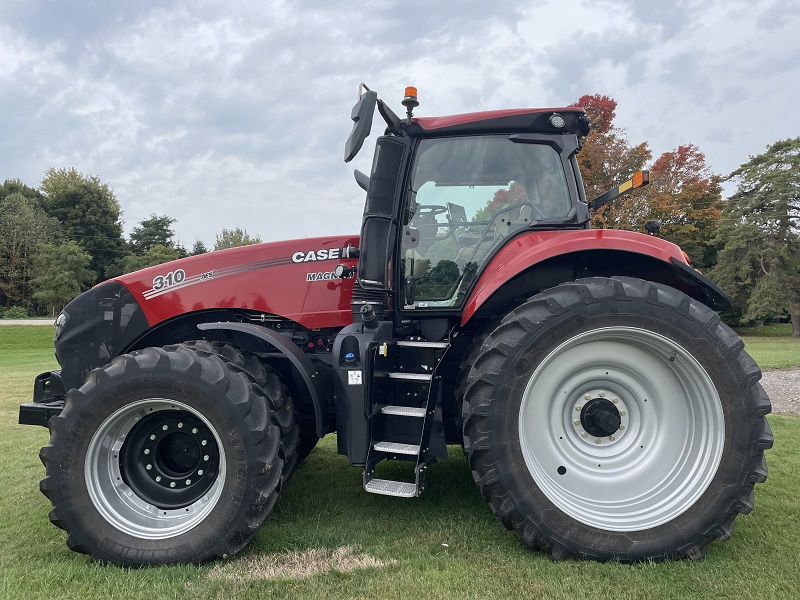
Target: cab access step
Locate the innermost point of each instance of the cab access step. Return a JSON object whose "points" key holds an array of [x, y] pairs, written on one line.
{"points": [[405, 413]]}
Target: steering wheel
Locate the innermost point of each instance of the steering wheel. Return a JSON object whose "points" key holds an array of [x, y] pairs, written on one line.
{"points": [[427, 212]]}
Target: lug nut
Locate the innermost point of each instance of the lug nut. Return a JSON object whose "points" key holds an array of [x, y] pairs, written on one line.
{"points": [[602, 394], [584, 435], [165, 427], [188, 482], [200, 472], [623, 413], [597, 440], [611, 438], [579, 408], [180, 425], [621, 427], [158, 477], [576, 422], [148, 467], [204, 442], [171, 484], [206, 457], [147, 450], [152, 436], [588, 396], [194, 429]]}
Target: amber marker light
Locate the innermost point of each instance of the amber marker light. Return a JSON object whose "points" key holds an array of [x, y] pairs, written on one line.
{"points": [[641, 178]]}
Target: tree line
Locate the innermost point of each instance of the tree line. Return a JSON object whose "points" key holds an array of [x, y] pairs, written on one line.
{"points": [[748, 244], [61, 238], [66, 235]]}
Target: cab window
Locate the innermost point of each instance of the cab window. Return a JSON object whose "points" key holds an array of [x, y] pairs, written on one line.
{"points": [[467, 195]]}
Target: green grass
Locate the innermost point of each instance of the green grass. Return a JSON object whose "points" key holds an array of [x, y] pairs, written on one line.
{"points": [[771, 330], [325, 507], [771, 346]]}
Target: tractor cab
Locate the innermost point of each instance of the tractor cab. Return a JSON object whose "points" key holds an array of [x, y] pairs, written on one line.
{"points": [[446, 193]]}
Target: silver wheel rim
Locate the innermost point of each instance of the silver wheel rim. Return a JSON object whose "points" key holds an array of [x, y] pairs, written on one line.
{"points": [[117, 502], [667, 448]]}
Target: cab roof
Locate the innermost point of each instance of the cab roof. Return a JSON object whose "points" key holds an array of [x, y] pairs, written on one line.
{"points": [[519, 120]]}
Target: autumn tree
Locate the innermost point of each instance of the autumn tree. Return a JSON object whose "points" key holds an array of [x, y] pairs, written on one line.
{"points": [[89, 213], [607, 159], [501, 199], [685, 196], [683, 193], [759, 263], [231, 238]]}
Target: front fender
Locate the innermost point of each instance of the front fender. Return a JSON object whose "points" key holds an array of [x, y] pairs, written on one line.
{"points": [[309, 373]]}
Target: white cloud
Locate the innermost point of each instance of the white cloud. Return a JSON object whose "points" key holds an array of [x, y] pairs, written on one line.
{"points": [[235, 114]]}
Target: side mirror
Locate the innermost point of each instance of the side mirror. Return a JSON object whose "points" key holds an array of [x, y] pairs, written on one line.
{"points": [[362, 180], [362, 122]]}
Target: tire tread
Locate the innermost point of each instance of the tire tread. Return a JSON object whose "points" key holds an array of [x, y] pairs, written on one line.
{"points": [[266, 456], [480, 379]]}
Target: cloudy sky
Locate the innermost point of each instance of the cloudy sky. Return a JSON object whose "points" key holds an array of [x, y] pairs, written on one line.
{"points": [[234, 114]]}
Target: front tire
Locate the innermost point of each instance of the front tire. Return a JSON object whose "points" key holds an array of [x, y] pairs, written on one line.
{"points": [[164, 455], [616, 418], [280, 402]]}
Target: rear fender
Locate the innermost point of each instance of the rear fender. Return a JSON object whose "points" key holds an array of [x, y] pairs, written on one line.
{"points": [[534, 261], [308, 372]]}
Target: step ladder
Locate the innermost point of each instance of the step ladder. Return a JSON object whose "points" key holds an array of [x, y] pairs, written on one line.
{"points": [[405, 413]]}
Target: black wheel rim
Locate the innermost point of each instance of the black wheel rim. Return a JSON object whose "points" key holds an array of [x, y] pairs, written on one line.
{"points": [[170, 459]]}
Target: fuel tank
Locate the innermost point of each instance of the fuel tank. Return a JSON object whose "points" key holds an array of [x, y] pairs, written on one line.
{"points": [[293, 279]]}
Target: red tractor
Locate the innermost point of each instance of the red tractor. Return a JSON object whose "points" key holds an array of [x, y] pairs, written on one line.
{"points": [[605, 410]]}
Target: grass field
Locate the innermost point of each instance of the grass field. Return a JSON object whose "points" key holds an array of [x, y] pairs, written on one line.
{"points": [[327, 538], [772, 345]]}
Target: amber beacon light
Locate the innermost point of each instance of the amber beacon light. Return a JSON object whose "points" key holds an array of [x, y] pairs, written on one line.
{"points": [[410, 101]]}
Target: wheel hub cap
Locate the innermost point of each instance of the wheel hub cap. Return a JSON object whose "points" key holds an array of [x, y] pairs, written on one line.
{"points": [[600, 418], [170, 459]]}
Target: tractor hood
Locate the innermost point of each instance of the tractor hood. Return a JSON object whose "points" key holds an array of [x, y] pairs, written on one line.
{"points": [[292, 279]]}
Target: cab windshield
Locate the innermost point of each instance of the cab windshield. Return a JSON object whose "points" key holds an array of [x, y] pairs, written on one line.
{"points": [[467, 195]]}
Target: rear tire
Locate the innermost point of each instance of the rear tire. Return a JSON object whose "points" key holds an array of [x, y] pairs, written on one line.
{"points": [[616, 418], [164, 455]]}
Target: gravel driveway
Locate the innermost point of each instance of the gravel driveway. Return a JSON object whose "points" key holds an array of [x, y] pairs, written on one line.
{"points": [[783, 388]]}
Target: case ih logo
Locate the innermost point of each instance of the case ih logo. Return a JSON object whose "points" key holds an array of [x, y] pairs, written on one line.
{"points": [[314, 255]]}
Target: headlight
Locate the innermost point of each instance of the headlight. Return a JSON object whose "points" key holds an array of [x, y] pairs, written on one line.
{"points": [[60, 323]]}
